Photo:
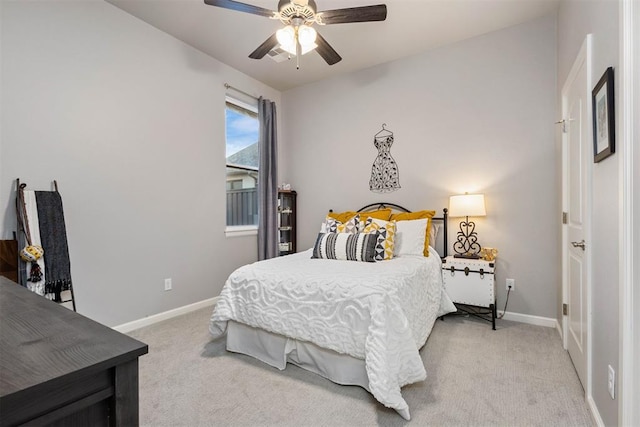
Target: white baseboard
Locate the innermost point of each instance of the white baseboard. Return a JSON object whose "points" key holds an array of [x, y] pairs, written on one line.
{"points": [[150, 320], [530, 319], [595, 414]]}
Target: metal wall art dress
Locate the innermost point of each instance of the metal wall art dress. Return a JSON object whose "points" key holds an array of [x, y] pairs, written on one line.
{"points": [[384, 172]]}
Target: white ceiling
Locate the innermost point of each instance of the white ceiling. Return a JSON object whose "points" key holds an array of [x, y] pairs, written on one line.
{"points": [[412, 26]]}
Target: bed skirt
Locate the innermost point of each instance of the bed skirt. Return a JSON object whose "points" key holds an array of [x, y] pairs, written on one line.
{"points": [[276, 350]]}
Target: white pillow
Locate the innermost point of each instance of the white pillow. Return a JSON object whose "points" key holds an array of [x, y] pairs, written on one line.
{"points": [[433, 233], [410, 237]]}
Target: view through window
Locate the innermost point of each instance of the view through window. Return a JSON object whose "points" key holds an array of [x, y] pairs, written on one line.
{"points": [[242, 163]]}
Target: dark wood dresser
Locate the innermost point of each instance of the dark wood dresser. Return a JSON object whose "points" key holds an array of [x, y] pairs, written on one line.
{"points": [[60, 368]]}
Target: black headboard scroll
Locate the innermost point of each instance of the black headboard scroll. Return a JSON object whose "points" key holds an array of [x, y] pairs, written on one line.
{"points": [[382, 205]]}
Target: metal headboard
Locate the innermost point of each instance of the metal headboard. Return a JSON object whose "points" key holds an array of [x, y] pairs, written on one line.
{"points": [[382, 205], [443, 218]]}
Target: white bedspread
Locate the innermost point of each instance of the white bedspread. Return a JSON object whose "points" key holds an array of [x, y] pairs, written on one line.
{"points": [[380, 312]]}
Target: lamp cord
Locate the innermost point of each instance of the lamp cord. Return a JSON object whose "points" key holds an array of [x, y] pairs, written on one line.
{"points": [[505, 305]]}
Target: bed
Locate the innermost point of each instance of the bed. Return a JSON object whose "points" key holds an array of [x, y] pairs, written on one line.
{"points": [[354, 323]]}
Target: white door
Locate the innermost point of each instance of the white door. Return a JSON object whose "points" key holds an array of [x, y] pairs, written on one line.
{"points": [[578, 154]]}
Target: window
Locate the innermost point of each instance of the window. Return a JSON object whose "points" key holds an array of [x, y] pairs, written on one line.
{"points": [[242, 164]]}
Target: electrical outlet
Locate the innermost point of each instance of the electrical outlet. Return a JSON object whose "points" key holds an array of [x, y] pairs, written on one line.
{"points": [[167, 284], [511, 284], [611, 383]]}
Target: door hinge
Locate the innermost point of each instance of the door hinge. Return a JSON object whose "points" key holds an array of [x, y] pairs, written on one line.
{"points": [[565, 309], [564, 217]]}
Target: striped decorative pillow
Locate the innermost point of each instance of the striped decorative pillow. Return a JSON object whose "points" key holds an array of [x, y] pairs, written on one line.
{"points": [[346, 246]]}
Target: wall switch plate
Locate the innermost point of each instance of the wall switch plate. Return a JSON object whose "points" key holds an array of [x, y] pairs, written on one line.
{"points": [[167, 284], [611, 383], [511, 283]]}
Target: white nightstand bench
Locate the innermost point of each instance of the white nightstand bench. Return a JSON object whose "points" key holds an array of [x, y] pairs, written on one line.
{"points": [[470, 283]]}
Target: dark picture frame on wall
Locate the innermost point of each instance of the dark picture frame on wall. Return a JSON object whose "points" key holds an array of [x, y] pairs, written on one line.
{"points": [[604, 137]]}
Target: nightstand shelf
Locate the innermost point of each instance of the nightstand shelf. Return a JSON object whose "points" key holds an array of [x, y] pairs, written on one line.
{"points": [[470, 283]]}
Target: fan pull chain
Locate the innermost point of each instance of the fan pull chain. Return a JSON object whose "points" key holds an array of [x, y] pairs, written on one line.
{"points": [[298, 51]]}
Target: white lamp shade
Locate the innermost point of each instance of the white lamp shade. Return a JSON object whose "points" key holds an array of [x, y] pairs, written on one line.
{"points": [[304, 49], [307, 35], [467, 205], [287, 38]]}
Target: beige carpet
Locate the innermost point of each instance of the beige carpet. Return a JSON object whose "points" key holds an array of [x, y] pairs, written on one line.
{"points": [[518, 375]]}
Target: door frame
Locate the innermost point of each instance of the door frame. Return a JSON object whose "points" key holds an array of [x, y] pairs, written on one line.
{"points": [[629, 166], [584, 56]]}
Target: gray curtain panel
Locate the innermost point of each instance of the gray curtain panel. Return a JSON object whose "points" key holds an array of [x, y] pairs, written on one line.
{"points": [[267, 181]]}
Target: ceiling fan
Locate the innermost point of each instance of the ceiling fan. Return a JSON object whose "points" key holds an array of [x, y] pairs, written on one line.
{"points": [[298, 36]]}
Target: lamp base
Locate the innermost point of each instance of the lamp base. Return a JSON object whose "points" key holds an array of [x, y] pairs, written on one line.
{"points": [[467, 256]]}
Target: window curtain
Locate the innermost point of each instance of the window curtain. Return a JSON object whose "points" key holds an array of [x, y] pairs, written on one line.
{"points": [[267, 181]]}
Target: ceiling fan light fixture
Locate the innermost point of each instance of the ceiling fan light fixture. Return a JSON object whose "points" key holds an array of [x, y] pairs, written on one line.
{"points": [[298, 38], [290, 49], [287, 38], [308, 48], [307, 35]]}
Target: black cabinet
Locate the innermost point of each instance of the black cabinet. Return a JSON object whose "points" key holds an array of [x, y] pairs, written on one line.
{"points": [[58, 368], [286, 222]]}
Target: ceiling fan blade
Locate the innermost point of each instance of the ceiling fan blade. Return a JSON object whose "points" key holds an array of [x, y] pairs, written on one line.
{"points": [[264, 48], [325, 50], [354, 14], [240, 7]]}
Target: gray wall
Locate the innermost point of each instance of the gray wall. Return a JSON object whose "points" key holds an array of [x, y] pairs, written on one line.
{"points": [[576, 19], [130, 122], [475, 116], [635, 315]]}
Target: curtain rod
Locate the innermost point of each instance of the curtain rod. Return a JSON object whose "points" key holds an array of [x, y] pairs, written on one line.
{"points": [[228, 86]]}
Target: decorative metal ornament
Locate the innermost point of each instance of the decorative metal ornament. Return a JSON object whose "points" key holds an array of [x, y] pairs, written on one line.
{"points": [[466, 245], [384, 172]]}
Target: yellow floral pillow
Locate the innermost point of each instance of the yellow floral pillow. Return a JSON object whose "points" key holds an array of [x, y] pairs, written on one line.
{"points": [[386, 231], [408, 216]]}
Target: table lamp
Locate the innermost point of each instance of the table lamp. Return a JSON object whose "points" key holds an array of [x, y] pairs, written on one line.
{"points": [[466, 205]]}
